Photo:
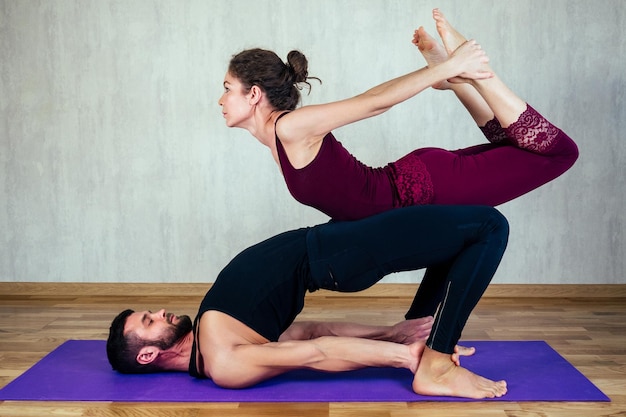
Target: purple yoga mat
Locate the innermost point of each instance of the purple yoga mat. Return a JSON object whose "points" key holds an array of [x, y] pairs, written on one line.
{"points": [[78, 371]]}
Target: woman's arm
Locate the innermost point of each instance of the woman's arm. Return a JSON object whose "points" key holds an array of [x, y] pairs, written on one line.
{"points": [[316, 120]]}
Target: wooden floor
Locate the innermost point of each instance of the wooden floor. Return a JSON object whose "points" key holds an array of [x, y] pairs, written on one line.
{"points": [[590, 332]]}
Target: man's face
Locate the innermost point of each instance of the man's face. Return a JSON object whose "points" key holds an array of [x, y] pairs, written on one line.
{"points": [[160, 329]]}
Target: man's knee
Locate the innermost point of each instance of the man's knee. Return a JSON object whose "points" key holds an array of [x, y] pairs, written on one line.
{"points": [[498, 224]]}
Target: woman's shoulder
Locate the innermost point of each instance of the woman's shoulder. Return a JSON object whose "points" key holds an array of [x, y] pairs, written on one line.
{"points": [[300, 124]]}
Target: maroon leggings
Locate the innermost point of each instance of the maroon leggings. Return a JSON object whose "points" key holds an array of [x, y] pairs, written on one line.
{"points": [[520, 158]]}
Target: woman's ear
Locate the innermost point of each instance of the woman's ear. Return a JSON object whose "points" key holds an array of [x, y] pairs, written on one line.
{"points": [[147, 355], [255, 94]]}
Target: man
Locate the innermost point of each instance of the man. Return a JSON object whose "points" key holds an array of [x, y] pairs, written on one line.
{"points": [[245, 332]]}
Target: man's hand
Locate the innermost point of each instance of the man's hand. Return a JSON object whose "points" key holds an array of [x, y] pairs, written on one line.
{"points": [[461, 351], [411, 331]]}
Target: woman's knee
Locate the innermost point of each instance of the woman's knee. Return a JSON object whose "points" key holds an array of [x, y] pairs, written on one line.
{"points": [[570, 152]]}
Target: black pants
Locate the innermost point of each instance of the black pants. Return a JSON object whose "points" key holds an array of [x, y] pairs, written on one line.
{"points": [[461, 247]]}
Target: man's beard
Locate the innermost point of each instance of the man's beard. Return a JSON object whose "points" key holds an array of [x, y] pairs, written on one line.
{"points": [[174, 333]]}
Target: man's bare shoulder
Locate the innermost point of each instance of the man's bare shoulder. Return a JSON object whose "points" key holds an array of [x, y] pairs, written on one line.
{"points": [[219, 335]]}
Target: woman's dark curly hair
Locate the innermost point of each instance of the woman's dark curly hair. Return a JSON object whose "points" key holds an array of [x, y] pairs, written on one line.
{"points": [[280, 81]]}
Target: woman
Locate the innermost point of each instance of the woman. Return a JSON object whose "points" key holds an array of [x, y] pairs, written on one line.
{"points": [[526, 151]]}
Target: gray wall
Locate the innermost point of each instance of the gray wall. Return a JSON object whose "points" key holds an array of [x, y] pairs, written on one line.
{"points": [[115, 163]]}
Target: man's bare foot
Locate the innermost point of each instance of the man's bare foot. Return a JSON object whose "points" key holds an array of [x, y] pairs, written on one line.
{"points": [[433, 52], [449, 35], [437, 376]]}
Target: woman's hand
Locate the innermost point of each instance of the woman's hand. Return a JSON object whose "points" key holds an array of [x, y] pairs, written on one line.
{"points": [[469, 59]]}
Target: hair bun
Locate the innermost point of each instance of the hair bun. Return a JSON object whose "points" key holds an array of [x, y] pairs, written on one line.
{"points": [[297, 65]]}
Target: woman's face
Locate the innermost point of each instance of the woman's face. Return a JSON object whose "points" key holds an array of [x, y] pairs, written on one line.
{"points": [[236, 106]]}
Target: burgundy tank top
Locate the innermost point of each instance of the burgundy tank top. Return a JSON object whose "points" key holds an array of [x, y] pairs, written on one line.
{"points": [[342, 187]]}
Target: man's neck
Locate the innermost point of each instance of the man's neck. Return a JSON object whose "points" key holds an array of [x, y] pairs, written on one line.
{"points": [[177, 358]]}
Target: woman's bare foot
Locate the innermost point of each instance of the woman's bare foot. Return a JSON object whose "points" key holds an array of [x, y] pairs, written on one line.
{"points": [[438, 376], [505, 104], [449, 35], [452, 39], [432, 51]]}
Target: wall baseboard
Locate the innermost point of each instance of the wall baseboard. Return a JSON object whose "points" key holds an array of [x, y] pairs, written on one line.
{"points": [[379, 290]]}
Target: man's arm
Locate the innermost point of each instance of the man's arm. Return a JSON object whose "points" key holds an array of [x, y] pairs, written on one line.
{"points": [[248, 364], [405, 332], [235, 356]]}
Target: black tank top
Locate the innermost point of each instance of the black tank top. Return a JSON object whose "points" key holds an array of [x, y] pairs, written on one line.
{"points": [[263, 287]]}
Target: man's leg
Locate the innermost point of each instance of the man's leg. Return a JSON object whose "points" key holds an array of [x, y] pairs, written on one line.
{"points": [[352, 256], [430, 292]]}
